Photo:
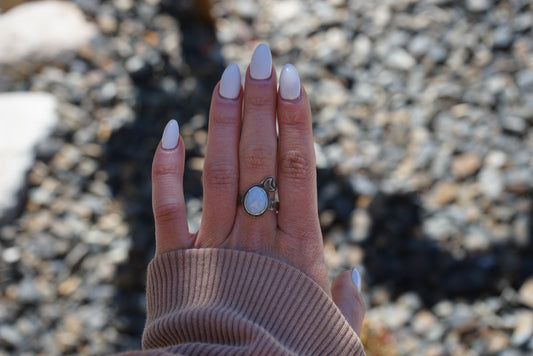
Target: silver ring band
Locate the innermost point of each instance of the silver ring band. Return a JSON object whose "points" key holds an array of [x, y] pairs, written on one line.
{"points": [[257, 199]]}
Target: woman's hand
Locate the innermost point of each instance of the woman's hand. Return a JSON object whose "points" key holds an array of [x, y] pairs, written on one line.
{"points": [[242, 150]]}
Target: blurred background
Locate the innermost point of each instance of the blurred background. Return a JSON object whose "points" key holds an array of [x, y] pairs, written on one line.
{"points": [[422, 114]]}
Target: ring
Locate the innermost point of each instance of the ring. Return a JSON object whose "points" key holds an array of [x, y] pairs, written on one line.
{"points": [[256, 200]]}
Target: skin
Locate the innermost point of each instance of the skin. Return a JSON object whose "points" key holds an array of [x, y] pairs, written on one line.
{"points": [[237, 157]]}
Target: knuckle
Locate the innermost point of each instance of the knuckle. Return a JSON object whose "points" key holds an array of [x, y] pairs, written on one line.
{"points": [[164, 169], [168, 212], [226, 119], [296, 165], [257, 157], [259, 102], [294, 119], [219, 174]]}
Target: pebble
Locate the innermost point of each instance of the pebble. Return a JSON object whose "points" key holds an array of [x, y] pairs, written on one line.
{"points": [[498, 342], [496, 159], [444, 193], [524, 80], [437, 53], [9, 336], [399, 59], [420, 45], [11, 255], [525, 293], [503, 37], [465, 165], [479, 5], [491, 182], [514, 124], [423, 321], [524, 329], [361, 223]]}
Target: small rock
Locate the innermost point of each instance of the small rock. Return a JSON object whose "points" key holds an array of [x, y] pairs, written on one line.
{"points": [[521, 231], [67, 157], [11, 255], [361, 222], [391, 315], [27, 291], [498, 341], [123, 5], [466, 165], [410, 301], [10, 336], [93, 316], [511, 352], [525, 293], [513, 124], [524, 80], [495, 159], [444, 193], [420, 45], [491, 182], [476, 239], [423, 321], [523, 331], [438, 53], [69, 286], [503, 37], [438, 227], [462, 319], [399, 59], [362, 48], [518, 180], [523, 22], [107, 22], [479, 5]]}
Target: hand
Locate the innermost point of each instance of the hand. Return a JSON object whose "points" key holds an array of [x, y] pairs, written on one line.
{"points": [[239, 157]]}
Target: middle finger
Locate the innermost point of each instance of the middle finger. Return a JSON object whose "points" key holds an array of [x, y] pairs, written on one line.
{"points": [[257, 149]]}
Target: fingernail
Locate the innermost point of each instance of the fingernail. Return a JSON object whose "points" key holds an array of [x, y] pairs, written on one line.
{"points": [[289, 83], [356, 278], [170, 135], [230, 83], [261, 63]]}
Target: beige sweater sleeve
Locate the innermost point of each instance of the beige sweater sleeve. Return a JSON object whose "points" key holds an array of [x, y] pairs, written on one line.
{"points": [[226, 302]]}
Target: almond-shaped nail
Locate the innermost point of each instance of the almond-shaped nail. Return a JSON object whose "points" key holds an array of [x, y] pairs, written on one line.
{"points": [[230, 83], [261, 63], [170, 135], [356, 278], [289, 83]]}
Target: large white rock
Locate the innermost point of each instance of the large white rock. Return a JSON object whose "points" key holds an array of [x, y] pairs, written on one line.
{"points": [[42, 30], [25, 119]]}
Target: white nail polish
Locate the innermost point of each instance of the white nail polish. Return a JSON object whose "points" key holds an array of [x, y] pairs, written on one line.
{"points": [[261, 63], [289, 83], [230, 83], [356, 278], [170, 135]]}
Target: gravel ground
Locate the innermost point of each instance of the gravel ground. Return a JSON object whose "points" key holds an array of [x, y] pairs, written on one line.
{"points": [[422, 117]]}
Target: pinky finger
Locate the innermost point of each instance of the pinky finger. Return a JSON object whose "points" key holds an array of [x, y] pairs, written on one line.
{"points": [[171, 229]]}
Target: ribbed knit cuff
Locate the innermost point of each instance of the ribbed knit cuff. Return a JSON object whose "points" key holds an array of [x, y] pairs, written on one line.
{"points": [[229, 302]]}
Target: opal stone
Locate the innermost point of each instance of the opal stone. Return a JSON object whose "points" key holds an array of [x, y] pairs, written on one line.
{"points": [[256, 200]]}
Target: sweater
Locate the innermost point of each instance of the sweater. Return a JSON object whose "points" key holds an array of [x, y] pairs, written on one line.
{"points": [[228, 302]]}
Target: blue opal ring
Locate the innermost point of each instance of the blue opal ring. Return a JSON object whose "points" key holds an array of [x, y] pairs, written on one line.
{"points": [[257, 199]]}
